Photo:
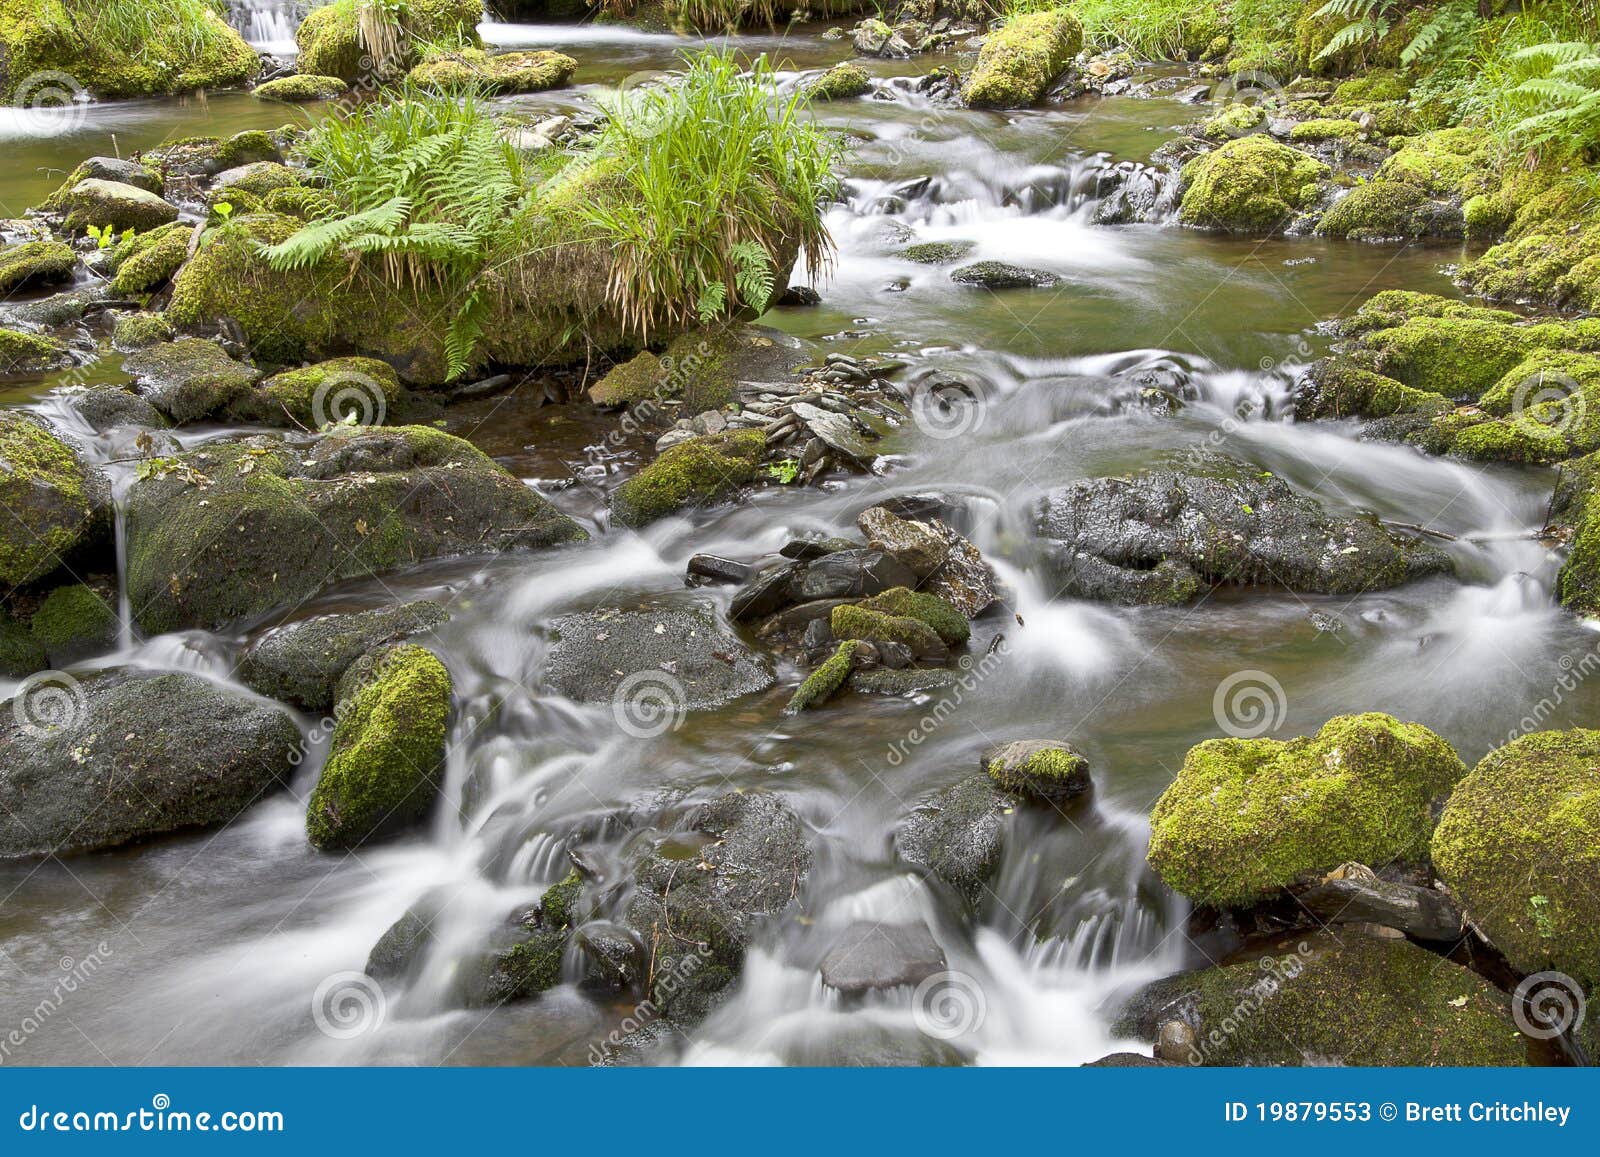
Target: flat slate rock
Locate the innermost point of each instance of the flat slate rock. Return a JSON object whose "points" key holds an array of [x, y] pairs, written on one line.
{"points": [[869, 955]]}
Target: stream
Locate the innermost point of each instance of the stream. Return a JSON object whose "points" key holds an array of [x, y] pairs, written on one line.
{"points": [[216, 946]]}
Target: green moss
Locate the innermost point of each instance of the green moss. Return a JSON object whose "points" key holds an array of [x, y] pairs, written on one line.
{"points": [[1246, 817], [950, 624], [698, 472], [21, 654], [937, 252], [35, 263], [504, 72], [1380, 84], [1324, 129], [851, 621], [1555, 269], [300, 201], [74, 621], [1452, 356], [1236, 120], [639, 379], [362, 389], [821, 685], [137, 330], [1017, 63], [1251, 185], [258, 179], [1042, 770], [190, 379], [98, 203], [386, 749], [1576, 504], [1379, 209], [330, 46], [1392, 307], [558, 907], [29, 353], [147, 261], [43, 487], [301, 89], [1525, 442], [1445, 163], [840, 82], [1519, 845], [1337, 389]]}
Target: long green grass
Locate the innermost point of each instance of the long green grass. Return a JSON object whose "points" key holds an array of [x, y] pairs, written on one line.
{"points": [[138, 26]]}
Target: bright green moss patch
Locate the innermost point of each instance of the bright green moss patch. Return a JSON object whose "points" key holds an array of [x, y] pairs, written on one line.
{"points": [[1560, 269], [639, 379], [74, 621], [383, 761], [1447, 162], [699, 472], [355, 390], [43, 487], [1452, 356], [1251, 185], [821, 685], [840, 82], [300, 201], [147, 261], [29, 353], [1236, 120], [1246, 817], [1018, 62], [1380, 84], [1391, 307], [1336, 389], [1525, 442], [301, 89], [137, 330], [504, 72], [35, 263], [1519, 845], [330, 45], [1379, 209], [857, 622], [948, 623], [1321, 129], [1038, 769]]}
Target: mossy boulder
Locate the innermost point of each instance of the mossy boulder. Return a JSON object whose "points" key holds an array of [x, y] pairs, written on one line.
{"points": [[136, 173], [300, 201], [1380, 210], [1350, 1000], [302, 662], [1247, 817], [258, 178], [851, 621], [940, 614], [35, 263], [21, 654], [181, 48], [1017, 63], [360, 391], [1249, 185], [47, 492], [330, 44], [1576, 506], [146, 261], [136, 331], [501, 73], [958, 834], [1519, 845], [1237, 120], [189, 379], [1392, 307], [1049, 770], [302, 88], [639, 379], [1319, 130], [30, 353], [937, 252], [235, 528], [1333, 387], [190, 157], [824, 682], [382, 772], [75, 621], [1558, 268], [101, 203], [1377, 85], [1458, 357], [841, 82], [126, 755], [699, 472], [1445, 163]]}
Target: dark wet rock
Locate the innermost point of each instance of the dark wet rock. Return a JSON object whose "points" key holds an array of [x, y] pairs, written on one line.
{"points": [[526, 958], [869, 955], [958, 834], [718, 569], [701, 892], [107, 407], [401, 948], [189, 379], [921, 548], [765, 593], [1426, 913], [1127, 1061], [902, 681], [999, 275], [1355, 1000], [57, 311], [301, 663], [852, 573], [807, 549], [1158, 536], [236, 528], [838, 432], [862, 1043], [654, 660], [964, 579], [1050, 770], [614, 957], [127, 754]]}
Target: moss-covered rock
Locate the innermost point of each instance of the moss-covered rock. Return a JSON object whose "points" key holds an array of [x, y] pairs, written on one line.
{"points": [[501, 73], [330, 44], [233, 529], [182, 47], [1334, 388], [75, 621], [361, 391], [699, 472], [190, 157], [1049, 770], [189, 379], [1381, 210], [1391, 307], [21, 654], [639, 379], [136, 173], [1576, 506], [301, 663], [1444, 163], [100, 203], [35, 263], [302, 88], [840, 82], [823, 683], [135, 331], [47, 492], [1458, 357], [1378, 84], [857, 622], [1559, 268], [1017, 63], [300, 201], [1249, 185], [947, 622], [258, 178], [937, 252], [383, 761], [1237, 120], [147, 261], [1247, 817], [30, 353], [1519, 845], [1350, 1000], [958, 834], [1318, 130]]}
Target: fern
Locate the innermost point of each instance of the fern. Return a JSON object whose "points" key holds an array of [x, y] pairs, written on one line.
{"points": [[1559, 99]]}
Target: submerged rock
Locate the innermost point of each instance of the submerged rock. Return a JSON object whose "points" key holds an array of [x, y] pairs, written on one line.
{"points": [[958, 834], [1355, 1000], [1157, 537], [235, 528], [1247, 817], [129, 754], [382, 772]]}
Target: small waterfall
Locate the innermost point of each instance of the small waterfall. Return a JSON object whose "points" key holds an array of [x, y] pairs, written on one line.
{"points": [[125, 631], [269, 25]]}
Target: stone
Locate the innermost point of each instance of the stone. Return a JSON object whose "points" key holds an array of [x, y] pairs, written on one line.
{"points": [[48, 493], [958, 834], [872, 956], [999, 275], [853, 573], [189, 379], [1049, 770], [1426, 913], [921, 548], [121, 206], [718, 569]]}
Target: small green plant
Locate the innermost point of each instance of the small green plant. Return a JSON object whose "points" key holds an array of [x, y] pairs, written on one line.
{"points": [[1539, 906], [1560, 99], [222, 211], [104, 235], [784, 470]]}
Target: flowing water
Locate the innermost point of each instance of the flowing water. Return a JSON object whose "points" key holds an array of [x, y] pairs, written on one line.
{"points": [[215, 944]]}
